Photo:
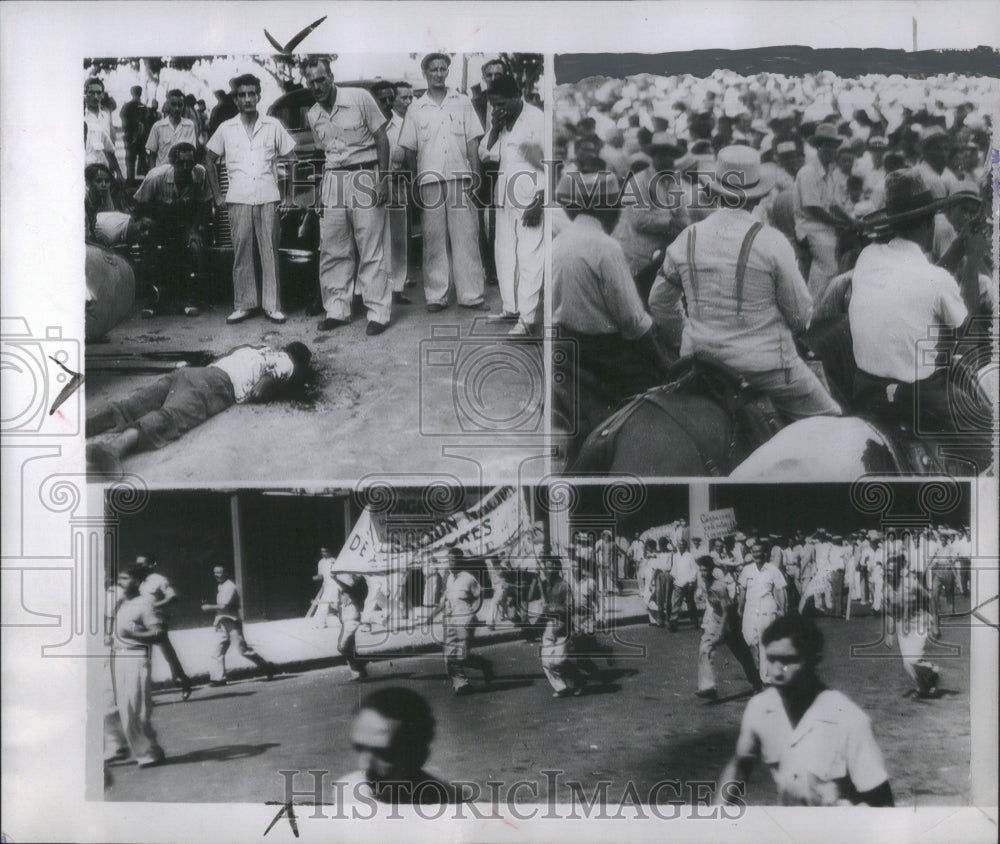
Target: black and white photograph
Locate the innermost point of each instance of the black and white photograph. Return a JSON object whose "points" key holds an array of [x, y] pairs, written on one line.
{"points": [[292, 260], [725, 646], [754, 265], [511, 422]]}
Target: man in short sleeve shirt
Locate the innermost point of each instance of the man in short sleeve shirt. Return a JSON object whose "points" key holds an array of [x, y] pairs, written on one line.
{"points": [[349, 128], [441, 135], [173, 128], [816, 742], [251, 144]]}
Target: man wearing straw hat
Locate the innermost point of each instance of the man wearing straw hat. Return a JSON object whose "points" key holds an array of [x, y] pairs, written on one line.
{"points": [[899, 297], [745, 296]]}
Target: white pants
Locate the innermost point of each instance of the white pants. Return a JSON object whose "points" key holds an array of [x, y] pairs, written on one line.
{"points": [[394, 245], [822, 240], [451, 243], [520, 262], [129, 708], [351, 233]]}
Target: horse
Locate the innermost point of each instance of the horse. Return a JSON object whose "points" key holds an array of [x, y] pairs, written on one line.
{"points": [[706, 421]]}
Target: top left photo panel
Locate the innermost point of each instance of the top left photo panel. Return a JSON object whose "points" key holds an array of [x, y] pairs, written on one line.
{"points": [[314, 268]]}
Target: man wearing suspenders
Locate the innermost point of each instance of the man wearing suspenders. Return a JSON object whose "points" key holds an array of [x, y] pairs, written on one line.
{"points": [[745, 296]]}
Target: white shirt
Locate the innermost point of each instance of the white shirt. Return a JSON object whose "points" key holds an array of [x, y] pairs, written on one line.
{"points": [[760, 586], [517, 180], [228, 599], [685, 569], [98, 140], [252, 158], [246, 365], [775, 300], [832, 741], [164, 136], [111, 227], [898, 297], [439, 133], [155, 585]]}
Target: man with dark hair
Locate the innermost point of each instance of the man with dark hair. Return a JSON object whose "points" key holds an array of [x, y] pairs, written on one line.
{"points": [[817, 743], [596, 305], [395, 237], [762, 599], [441, 137], [98, 132], [391, 735], [720, 625], [251, 144], [228, 626], [159, 588], [223, 110], [817, 216], [350, 131], [132, 115], [171, 406], [897, 297], [461, 600], [177, 196], [172, 129], [128, 726], [515, 142]]}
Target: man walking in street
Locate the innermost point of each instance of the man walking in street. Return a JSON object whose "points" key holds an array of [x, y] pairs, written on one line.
{"points": [[461, 601], [128, 726], [720, 625], [159, 588], [228, 625], [349, 128], [817, 743], [762, 600], [441, 135], [251, 144]]}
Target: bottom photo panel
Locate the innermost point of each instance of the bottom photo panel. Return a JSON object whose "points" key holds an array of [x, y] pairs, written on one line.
{"points": [[599, 650]]}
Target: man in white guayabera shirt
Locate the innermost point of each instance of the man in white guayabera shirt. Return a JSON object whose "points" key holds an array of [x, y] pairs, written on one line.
{"points": [[172, 405]]}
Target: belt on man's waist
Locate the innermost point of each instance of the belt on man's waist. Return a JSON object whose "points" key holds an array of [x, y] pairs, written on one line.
{"points": [[144, 649], [350, 168]]}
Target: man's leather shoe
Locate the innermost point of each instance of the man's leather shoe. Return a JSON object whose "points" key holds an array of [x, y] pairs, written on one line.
{"points": [[401, 299], [436, 307], [330, 323], [375, 328]]}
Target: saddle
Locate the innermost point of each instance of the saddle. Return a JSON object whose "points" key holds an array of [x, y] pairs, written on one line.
{"points": [[744, 419]]}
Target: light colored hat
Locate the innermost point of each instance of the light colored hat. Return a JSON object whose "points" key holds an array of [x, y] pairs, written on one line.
{"points": [[738, 174]]}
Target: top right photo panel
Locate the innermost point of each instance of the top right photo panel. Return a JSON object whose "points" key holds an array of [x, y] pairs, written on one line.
{"points": [[775, 265]]}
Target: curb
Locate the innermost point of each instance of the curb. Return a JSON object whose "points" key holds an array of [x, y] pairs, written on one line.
{"points": [[492, 637]]}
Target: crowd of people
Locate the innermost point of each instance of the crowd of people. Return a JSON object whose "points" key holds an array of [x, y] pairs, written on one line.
{"points": [[468, 168], [753, 592], [729, 217]]}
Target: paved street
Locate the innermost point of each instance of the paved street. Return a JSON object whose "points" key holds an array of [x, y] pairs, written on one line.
{"points": [[228, 744]]}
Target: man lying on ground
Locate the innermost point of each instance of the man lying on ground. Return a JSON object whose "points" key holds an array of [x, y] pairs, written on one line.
{"points": [[171, 406]]}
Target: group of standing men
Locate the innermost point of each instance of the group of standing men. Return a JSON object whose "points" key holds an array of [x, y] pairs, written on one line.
{"points": [[379, 152]]}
